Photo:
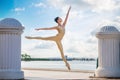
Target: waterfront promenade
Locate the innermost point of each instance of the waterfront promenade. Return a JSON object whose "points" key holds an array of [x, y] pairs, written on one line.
{"points": [[48, 74]]}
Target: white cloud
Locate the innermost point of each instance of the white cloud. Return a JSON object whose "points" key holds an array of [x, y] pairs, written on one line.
{"points": [[117, 20], [56, 3], [103, 5], [40, 4], [84, 5], [19, 9], [64, 4], [40, 48], [44, 45]]}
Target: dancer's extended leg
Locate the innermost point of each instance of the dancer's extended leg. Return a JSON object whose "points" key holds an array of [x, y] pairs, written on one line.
{"points": [[62, 54], [52, 38]]}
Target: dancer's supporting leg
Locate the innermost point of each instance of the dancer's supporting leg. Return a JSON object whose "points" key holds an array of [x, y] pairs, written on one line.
{"points": [[59, 44]]}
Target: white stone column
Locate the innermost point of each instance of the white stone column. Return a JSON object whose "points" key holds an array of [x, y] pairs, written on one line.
{"points": [[108, 52], [10, 49]]}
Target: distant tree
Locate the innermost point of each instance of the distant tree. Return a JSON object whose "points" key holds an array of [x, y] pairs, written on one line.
{"points": [[25, 57]]}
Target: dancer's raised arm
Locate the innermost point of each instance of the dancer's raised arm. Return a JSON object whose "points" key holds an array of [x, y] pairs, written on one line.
{"points": [[66, 18], [46, 28]]}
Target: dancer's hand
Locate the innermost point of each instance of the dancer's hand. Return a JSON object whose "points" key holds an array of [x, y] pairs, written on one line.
{"points": [[37, 29], [70, 8]]}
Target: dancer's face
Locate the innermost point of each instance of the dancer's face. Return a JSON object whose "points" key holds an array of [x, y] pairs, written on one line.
{"points": [[59, 20]]}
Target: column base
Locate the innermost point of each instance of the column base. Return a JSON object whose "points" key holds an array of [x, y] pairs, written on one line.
{"points": [[11, 74], [107, 72]]}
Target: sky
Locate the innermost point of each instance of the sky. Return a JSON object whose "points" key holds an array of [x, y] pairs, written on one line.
{"points": [[85, 19]]}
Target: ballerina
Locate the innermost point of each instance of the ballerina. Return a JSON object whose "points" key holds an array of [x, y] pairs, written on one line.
{"points": [[57, 38]]}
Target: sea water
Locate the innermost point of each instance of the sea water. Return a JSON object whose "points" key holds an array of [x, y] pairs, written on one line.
{"points": [[79, 65]]}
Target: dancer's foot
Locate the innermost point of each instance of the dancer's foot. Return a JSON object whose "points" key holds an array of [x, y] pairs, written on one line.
{"points": [[28, 37], [68, 66]]}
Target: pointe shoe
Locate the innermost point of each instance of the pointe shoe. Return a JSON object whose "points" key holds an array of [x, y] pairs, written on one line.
{"points": [[68, 66], [28, 37]]}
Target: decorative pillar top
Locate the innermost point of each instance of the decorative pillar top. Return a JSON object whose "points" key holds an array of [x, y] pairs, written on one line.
{"points": [[108, 29], [10, 25], [108, 32]]}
